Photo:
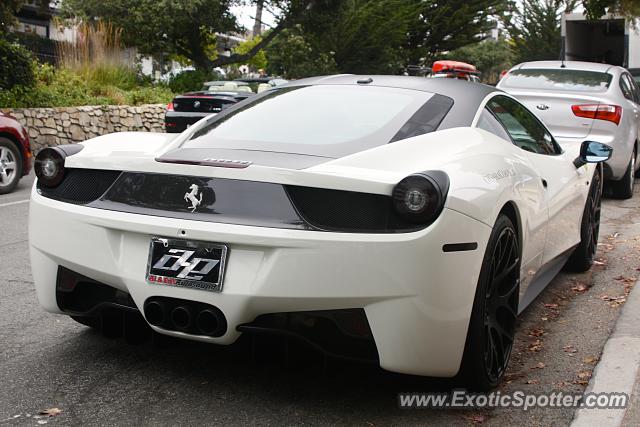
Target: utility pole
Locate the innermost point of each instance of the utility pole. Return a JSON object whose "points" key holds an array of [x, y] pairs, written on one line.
{"points": [[257, 26]]}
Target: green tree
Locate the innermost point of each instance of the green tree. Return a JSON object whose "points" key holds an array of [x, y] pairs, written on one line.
{"points": [[183, 27], [489, 56], [8, 10], [382, 36], [259, 60], [597, 8], [445, 25], [187, 27], [535, 30], [292, 57], [363, 36]]}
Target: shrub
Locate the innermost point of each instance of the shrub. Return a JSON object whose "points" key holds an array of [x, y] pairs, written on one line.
{"points": [[191, 80], [63, 88], [149, 95], [16, 67]]}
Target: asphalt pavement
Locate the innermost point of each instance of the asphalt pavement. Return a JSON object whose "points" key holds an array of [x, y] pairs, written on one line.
{"points": [[50, 363]]}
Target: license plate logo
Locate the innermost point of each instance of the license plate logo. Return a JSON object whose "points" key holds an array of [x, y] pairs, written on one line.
{"points": [[189, 264]]}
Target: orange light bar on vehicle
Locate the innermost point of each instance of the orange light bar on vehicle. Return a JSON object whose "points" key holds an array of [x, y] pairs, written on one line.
{"points": [[609, 113], [454, 66]]}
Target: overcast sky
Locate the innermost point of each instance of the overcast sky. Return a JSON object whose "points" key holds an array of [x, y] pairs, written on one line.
{"points": [[246, 15]]}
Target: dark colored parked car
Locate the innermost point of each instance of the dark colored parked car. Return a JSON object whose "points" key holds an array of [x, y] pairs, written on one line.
{"points": [[15, 153], [187, 109]]}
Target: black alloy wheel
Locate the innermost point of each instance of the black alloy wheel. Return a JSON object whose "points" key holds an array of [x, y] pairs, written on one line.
{"points": [[583, 255], [492, 325], [501, 304]]}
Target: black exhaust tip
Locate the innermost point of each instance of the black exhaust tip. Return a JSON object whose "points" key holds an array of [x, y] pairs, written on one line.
{"points": [[155, 312], [191, 317], [210, 322], [181, 317]]}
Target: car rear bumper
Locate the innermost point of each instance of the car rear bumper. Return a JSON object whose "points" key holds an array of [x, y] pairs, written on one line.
{"points": [[177, 121], [417, 298]]}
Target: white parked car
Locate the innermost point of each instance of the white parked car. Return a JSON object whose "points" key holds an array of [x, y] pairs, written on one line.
{"points": [[396, 219], [585, 100]]}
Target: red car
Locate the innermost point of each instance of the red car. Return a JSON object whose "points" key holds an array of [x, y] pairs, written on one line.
{"points": [[15, 153]]}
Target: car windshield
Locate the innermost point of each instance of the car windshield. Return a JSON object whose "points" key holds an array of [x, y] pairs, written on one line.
{"points": [[323, 120], [558, 79]]}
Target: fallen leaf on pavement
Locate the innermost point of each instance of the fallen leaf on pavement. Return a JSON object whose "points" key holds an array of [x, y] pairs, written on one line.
{"points": [[538, 365], [584, 375], [553, 306], [614, 301], [590, 359], [536, 346], [570, 349], [538, 332], [476, 419], [51, 412], [534, 381], [580, 287]]}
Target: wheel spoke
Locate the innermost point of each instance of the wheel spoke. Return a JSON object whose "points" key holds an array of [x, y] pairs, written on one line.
{"points": [[4, 177], [489, 347], [500, 351], [10, 165], [3, 153], [497, 281]]}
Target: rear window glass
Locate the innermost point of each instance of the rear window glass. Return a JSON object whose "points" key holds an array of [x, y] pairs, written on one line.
{"points": [[323, 120], [568, 80]]}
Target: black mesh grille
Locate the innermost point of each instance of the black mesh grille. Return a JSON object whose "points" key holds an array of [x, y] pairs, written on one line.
{"points": [[338, 210], [81, 186]]}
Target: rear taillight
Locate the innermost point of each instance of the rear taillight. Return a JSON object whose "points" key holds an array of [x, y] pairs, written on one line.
{"points": [[49, 166], [610, 113], [170, 106], [419, 198]]}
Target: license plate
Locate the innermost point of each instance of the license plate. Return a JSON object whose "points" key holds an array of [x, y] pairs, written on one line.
{"points": [[188, 264]]}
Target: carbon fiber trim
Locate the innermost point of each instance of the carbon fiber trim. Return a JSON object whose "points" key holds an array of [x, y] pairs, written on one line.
{"points": [[81, 186], [230, 201], [218, 200]]}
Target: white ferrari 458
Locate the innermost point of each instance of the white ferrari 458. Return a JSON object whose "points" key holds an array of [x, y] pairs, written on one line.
{"points": [[400, 220]]}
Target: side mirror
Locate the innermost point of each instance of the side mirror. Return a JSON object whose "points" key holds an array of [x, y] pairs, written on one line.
{"points": [[593, 152]]}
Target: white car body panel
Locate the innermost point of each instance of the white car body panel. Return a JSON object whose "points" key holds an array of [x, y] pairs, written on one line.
{"points": [[273, 270], [416, 296]]}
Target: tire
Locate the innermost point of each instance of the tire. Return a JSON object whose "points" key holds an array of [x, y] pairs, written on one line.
{"points": [[493, 318], [582, 256], [623, 189], [10, 166]]}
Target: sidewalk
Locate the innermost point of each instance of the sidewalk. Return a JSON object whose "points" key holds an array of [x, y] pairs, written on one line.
{"points": [[618, 370]]}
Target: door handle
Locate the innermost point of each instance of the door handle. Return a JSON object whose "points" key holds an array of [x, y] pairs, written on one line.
{"points": [[544, 183]]}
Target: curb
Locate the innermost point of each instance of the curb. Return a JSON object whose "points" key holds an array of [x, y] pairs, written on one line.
{"points": [[618, 367]]}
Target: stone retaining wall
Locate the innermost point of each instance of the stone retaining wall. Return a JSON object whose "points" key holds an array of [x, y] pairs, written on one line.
{"points": [[67, 125]]}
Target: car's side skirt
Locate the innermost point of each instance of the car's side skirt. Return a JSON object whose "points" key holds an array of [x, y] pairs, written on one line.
{"points": [[543, 277]]}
